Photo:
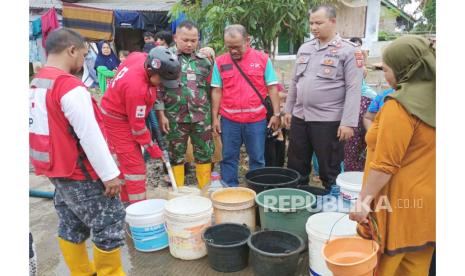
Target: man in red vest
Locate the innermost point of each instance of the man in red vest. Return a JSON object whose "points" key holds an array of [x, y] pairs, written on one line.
{"points": [[67, 145], [243, 114], [126, 105]]}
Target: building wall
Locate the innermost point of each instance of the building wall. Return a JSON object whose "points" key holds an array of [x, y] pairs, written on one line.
{"points": [[387, 21], [351, 21]]}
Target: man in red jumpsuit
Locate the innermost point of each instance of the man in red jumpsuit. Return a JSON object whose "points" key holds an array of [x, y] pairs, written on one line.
{"points": [[125, 107]]}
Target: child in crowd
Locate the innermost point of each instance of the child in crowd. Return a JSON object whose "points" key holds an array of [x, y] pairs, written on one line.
{"points": [[164, 38], [123, 54], [149, 42]]}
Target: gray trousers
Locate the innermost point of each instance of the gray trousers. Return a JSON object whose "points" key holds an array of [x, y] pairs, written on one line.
{"points": [[82, 208]]}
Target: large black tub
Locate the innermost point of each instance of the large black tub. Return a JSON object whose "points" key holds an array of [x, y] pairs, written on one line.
{"points": [[275, 253], [271, 177], [227, 246]]}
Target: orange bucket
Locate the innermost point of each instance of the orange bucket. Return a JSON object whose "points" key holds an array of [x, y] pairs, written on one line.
{"points": [[351, 256]]}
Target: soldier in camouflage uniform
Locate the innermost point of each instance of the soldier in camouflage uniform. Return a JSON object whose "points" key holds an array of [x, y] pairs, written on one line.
{"points": [[186, 111]]}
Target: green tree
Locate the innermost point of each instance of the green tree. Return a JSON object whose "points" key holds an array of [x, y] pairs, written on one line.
{"points": [[428, 8], [264, 20], [401, 3], [429, 12]]}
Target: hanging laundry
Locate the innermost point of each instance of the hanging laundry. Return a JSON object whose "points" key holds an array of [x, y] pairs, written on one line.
{"points": [[37, 27], [33, 51], [49, 22], [41, 50]]}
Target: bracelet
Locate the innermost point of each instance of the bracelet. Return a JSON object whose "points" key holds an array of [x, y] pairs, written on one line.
{"points": [[277, 114]]}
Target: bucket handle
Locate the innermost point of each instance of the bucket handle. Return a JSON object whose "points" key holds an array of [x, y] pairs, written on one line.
{"points": [[331, 231], [126, 227]]}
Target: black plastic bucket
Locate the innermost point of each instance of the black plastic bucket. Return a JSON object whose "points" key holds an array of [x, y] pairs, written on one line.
{"points": [[317, 191], [271, 177], [227, 246], [275, 253]]}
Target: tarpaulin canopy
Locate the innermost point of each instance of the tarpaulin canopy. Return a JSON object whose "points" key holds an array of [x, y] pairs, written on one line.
{"points": [[93, 24], [129, 19]]}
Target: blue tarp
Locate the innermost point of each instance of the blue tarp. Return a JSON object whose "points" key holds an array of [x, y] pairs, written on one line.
{"points": [[129, 19], [175, 23]]}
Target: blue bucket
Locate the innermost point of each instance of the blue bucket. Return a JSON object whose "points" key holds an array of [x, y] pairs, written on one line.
{"points": [[147, 225]]}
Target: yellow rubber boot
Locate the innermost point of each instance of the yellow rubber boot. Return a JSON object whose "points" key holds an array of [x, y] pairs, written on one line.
{"points": [[108, 263], [203, 173], [178, 172], [75, 255]]}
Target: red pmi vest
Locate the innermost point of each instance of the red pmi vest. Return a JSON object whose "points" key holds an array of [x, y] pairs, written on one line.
{"points": [[53, 149], [239, 102]]}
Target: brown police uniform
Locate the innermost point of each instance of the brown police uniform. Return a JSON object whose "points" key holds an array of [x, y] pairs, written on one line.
{"points": [[325, 93]]}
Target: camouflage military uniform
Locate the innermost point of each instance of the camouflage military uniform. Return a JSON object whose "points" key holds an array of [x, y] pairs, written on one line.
{"points": [[188, 109], [82, 207]]}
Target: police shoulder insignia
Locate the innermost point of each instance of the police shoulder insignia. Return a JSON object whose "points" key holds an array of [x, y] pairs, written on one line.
{"points": [[359, 58]]}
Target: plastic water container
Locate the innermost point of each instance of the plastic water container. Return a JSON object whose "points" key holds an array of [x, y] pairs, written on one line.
{"points": [[319, 230], [186, 219], [147, 224], [351, 184], [234, 205], [214, 185]]}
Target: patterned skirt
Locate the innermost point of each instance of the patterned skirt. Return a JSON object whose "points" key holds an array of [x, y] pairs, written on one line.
{"points": [[354, 149]]}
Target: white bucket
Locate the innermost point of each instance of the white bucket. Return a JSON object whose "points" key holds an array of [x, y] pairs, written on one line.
{"points": [[318, 230], [351, 184], [235, 205], [147, 224], [186, 219]]}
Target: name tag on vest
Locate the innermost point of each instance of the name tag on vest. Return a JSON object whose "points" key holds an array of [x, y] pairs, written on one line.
{"points": [[226, 67]]}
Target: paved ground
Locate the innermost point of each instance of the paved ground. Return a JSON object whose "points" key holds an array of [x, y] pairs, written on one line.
{"points": [[43, 223]]}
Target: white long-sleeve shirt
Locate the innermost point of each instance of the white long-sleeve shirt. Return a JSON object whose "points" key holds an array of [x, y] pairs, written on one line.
{"points": [[77, 108]]}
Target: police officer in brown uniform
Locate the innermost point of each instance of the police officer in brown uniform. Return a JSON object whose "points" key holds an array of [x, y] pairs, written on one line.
{"points": [[324, 98]]}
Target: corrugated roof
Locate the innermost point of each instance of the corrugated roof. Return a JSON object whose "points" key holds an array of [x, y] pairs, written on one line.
{"points": [[123, 5], [45, 4], [142, 5], [402, 13]]}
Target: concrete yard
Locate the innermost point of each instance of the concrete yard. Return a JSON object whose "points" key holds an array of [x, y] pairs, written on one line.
{"points": [[43, 223]]}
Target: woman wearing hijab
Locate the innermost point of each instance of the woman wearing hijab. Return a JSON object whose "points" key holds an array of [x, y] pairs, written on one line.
{"points": [[105, 64], [397, 204]]}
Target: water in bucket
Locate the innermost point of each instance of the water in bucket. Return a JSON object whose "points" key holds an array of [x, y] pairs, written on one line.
{"points": [[351, 256]]}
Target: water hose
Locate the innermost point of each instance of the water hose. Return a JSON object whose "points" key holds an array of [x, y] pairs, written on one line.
{"points": [[40, 194], [156, 133]]}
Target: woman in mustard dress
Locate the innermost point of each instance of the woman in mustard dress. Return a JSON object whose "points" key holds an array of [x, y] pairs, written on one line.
{"points": [[399, 187]]}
